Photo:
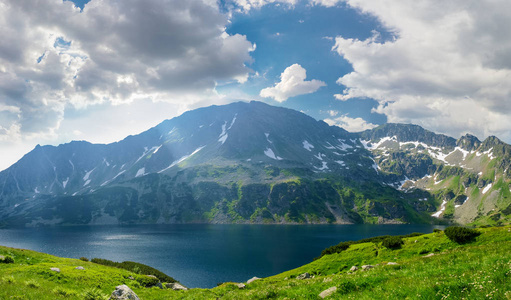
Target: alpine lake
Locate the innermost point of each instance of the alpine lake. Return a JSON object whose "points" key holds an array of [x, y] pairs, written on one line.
{"points": [[200, 255]]}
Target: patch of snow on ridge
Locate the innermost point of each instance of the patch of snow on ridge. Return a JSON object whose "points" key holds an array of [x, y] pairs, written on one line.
{"points": [[106, 162], [64, 183], [223, 136], [324, 167], [146, 151], [268, 152], [329, 147], [140, 172], [319, 156], [342, 163], [343, 146], [232, 122], [377, 144], [487, 188], [458, 205], [104, 183], [157, 149], [86, 182], [36, 190], [72, 165], [308, 146], [463, 151], [442, 208], [182, 159], [267, 137], [87, 174]]}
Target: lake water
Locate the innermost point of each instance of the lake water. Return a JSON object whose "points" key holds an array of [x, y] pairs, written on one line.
{"points": [[200, 255]]}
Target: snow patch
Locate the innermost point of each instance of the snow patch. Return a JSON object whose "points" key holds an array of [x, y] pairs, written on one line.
{"points": [[458, 205], [106, 162], [140, 172], [86, 182], [267, 137], [72, 165], [341, 163], [319, 156], [223, 136], [343, 146], [487, 188], [87, 174], [442, 208], [64, 183], [146, 151], [323, 167], [377, 144], [36, 190], [268, 152], [308, 146], [232, 122], [182, 159], [329, 147], [157, 149]]}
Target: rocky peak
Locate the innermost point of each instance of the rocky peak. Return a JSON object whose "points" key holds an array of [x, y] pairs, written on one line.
{"points": [[468, 142]]}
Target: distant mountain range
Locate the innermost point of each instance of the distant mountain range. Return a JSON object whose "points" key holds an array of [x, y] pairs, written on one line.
{"points": [[255, 163]]}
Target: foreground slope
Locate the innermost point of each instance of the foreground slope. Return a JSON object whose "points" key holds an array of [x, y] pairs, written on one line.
{"points": [[426, 267]]}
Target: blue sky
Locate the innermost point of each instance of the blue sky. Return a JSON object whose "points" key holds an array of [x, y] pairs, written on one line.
{"points": [[100, 70]]}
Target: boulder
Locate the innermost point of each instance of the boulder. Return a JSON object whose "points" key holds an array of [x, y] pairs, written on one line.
{"points": [[328, 292], [241, 286], [176, 286], [55, 270], [123, 292], [252, 279], [429, 255], [80, 268], [392, 263], [159, 285], [353, 269], [367, 267], [303, 276], [152, 276]]}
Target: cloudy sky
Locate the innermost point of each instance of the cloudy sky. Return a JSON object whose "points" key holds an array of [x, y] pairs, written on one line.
{"points": [[100, 70]]}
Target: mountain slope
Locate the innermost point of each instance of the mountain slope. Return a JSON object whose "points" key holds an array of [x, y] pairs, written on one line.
{"points": [[251, 162]]}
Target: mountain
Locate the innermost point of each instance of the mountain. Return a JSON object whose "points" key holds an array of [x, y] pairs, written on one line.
{"points": [[255, 163]]}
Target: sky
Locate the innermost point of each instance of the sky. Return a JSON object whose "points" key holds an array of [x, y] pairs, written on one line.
{"points": [[101, 70]]}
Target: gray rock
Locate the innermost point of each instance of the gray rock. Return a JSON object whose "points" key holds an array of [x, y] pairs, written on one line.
{"points": [[367, 267], [303, 276], [241, 286], [123, 292], [392, 263], [252, 279], [55, 270], [176, 286], [353, 269], [328, 292], [159, 285], [152, 276], [80, 268], [429, 255], [131, 278]]}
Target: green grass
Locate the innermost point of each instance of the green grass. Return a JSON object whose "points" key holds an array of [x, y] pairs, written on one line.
{"points": [[480, 269]]}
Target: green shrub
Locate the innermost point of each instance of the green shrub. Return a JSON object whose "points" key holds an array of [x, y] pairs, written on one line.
{"points": [[8, 279], [461, 235], [33, 284], [7, 259], [63, 292], [392, 242], [135, 267], [436, 230], [84, 258], [94, 294]]}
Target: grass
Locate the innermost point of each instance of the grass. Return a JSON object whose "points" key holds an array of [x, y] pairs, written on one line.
{"points": [[480, 269]]}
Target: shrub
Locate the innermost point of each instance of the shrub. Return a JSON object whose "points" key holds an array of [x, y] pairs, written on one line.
{"points": [[461, 235], [94, 294], [135, 267], [63, 292], [392, 242], [7, 259], [436, 230], [8, 279], [33, 284], [84, 258]]}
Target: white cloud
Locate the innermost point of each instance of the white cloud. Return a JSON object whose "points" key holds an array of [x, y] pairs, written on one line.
{"points": [[350, 124], [327, 3], [292, 83], [246, 5], [448, 67], [53, 57]]}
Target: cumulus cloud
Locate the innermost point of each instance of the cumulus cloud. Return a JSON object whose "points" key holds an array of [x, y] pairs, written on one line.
{"points": [[448, 67], [53, 56], [246, 5], [292, 83], [350, 124]]}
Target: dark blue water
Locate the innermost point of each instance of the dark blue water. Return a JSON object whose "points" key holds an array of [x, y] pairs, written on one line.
{"points": [[200, 255]]}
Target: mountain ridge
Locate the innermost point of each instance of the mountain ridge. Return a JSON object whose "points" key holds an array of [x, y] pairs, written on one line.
{"points": [[252, 162]]}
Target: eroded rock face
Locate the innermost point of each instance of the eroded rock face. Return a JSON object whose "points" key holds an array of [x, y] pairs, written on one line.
{"points": [[55, 270], [123, 292], [328, 292], [252, 279], [176, 286], [303, 276], [353, 269]]}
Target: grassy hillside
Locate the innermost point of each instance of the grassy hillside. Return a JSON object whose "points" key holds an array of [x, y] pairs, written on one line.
{"points": [[476, 270]]}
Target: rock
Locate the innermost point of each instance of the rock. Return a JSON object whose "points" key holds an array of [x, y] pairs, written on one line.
{"points": [[392, 263], [367, 267], [159, 285], [303, 276], [123, 292], [152, 276], [55, 270], [176, 286], [131, 278], [252, 279], [328, 292], [429, 255], [80, 268], [353, 269], [241, 286]]}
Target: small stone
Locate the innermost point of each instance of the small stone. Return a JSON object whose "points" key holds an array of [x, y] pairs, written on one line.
{"points": [[367, 267], [152, 276], [429, 255], [353, 269], [241, 286], [123, 292], [252, 279], [176, 286], [159, 285], [303, 276], [392, 263], [328, 292], [131, 278], [80, 268], [55, 270]]}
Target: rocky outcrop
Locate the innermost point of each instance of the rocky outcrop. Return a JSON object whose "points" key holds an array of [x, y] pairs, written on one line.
{"points": [[123, 292], [327, 292]]}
